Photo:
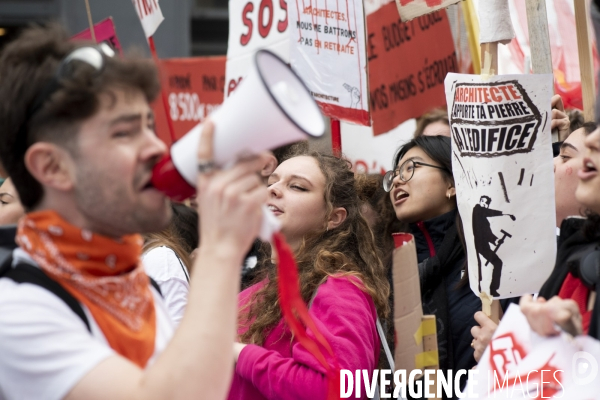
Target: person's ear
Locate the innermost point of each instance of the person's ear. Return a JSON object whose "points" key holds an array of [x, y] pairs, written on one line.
{"points": [[450, 191], [50, 165], [269, 166], [337, 216]]}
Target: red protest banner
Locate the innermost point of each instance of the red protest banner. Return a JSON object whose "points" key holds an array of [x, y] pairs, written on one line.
{"points": [[408, 62], [105, 32], [194, 88]]}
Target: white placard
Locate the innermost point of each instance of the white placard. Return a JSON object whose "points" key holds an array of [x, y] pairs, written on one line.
{"points": [[504, 175], [374, 154], [410, 9], [518, 364], [328, 53], [150, 15], [254, 25]]}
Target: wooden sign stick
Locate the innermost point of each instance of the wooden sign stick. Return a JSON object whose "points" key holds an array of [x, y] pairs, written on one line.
{"points": [[539, 39], [489, 67], [90, 21], [586, 62]]}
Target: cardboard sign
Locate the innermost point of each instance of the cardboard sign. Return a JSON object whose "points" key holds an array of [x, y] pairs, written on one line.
{"points": [[410, 9], [254, 25], [194, 88], [516, 367], [504, 176], [105, 32], [328, 53], [408, 312], [150, 15], [374, 154], [408, 62]]}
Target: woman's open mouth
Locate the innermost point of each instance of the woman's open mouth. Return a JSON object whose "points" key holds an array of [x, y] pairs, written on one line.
{"points": [[588, 171], [400, 197]]}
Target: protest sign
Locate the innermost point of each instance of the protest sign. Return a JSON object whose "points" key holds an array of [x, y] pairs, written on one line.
{"points": [[516, 366], [105, 32], [373, 5], [328, 53], [374, 154], [194, 88], [408, 311], [503, 171], [150, 15], [410, 9], [254, 25], [408, 62]]}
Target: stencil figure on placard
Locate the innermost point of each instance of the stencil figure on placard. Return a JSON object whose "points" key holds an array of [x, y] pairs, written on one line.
{"points": [[485, 238], [354, 95]]}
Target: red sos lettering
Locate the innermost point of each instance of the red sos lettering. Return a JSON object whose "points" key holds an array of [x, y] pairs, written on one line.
{"points": [[232, 85], [264, 23]]}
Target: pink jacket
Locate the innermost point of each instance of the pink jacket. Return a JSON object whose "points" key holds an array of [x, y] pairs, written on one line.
{"points": [[282, 369]]}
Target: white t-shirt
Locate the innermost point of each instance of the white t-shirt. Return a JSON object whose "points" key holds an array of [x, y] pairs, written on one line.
{"points": [[45, 348], [163, 265]]}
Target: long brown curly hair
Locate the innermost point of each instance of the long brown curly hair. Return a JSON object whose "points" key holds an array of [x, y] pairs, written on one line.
{"points": [[349, 249]]}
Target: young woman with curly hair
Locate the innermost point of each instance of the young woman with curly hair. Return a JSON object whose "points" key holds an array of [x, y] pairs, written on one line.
{"points": [[341, 277]]}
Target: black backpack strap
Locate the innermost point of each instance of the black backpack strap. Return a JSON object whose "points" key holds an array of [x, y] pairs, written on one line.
{"points": [[7, 245], [26, 273], [5, 260], [155, 285]]}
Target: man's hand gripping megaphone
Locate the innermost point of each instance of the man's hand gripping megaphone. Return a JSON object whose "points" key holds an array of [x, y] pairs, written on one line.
{"points": [[230, 201]]}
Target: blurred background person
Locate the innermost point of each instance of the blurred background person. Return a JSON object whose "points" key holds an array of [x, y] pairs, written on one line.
{"points": [[11, 208], [567, 165], [548, 315], [167, 258], [433, 123]]}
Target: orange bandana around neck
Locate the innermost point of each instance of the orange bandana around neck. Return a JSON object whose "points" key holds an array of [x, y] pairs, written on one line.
{"points": [[104, 274]]}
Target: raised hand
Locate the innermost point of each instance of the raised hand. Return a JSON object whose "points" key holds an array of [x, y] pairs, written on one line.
{"points": [[482, 334], [560, 119], [546, 317]]}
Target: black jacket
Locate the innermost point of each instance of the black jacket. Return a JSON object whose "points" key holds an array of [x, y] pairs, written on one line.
{"points": [[573, 246], [440, 274], [571, 243]]}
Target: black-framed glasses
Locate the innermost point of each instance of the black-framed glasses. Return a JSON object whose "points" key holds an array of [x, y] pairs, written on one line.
{"points": [[405, 172], [92, 56]]}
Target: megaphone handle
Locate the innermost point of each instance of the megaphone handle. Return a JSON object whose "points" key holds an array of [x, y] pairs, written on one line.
{"points": [[269, 226]]}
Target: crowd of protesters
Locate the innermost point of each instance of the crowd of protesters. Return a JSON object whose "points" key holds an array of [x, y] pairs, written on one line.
{"points": [[107, 290]]}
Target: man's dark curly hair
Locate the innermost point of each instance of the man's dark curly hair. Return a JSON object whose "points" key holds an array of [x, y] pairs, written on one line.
{"points": [[27, 65]]}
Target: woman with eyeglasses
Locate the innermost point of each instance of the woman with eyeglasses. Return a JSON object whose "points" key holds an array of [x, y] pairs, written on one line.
{"points": [[423, 194]]}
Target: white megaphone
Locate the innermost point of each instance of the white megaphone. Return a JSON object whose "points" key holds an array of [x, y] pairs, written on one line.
{"points": [[271, 107]]}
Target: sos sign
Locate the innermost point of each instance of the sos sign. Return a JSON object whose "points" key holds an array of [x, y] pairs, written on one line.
{"points": [[264, 16], [254, 25]]}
